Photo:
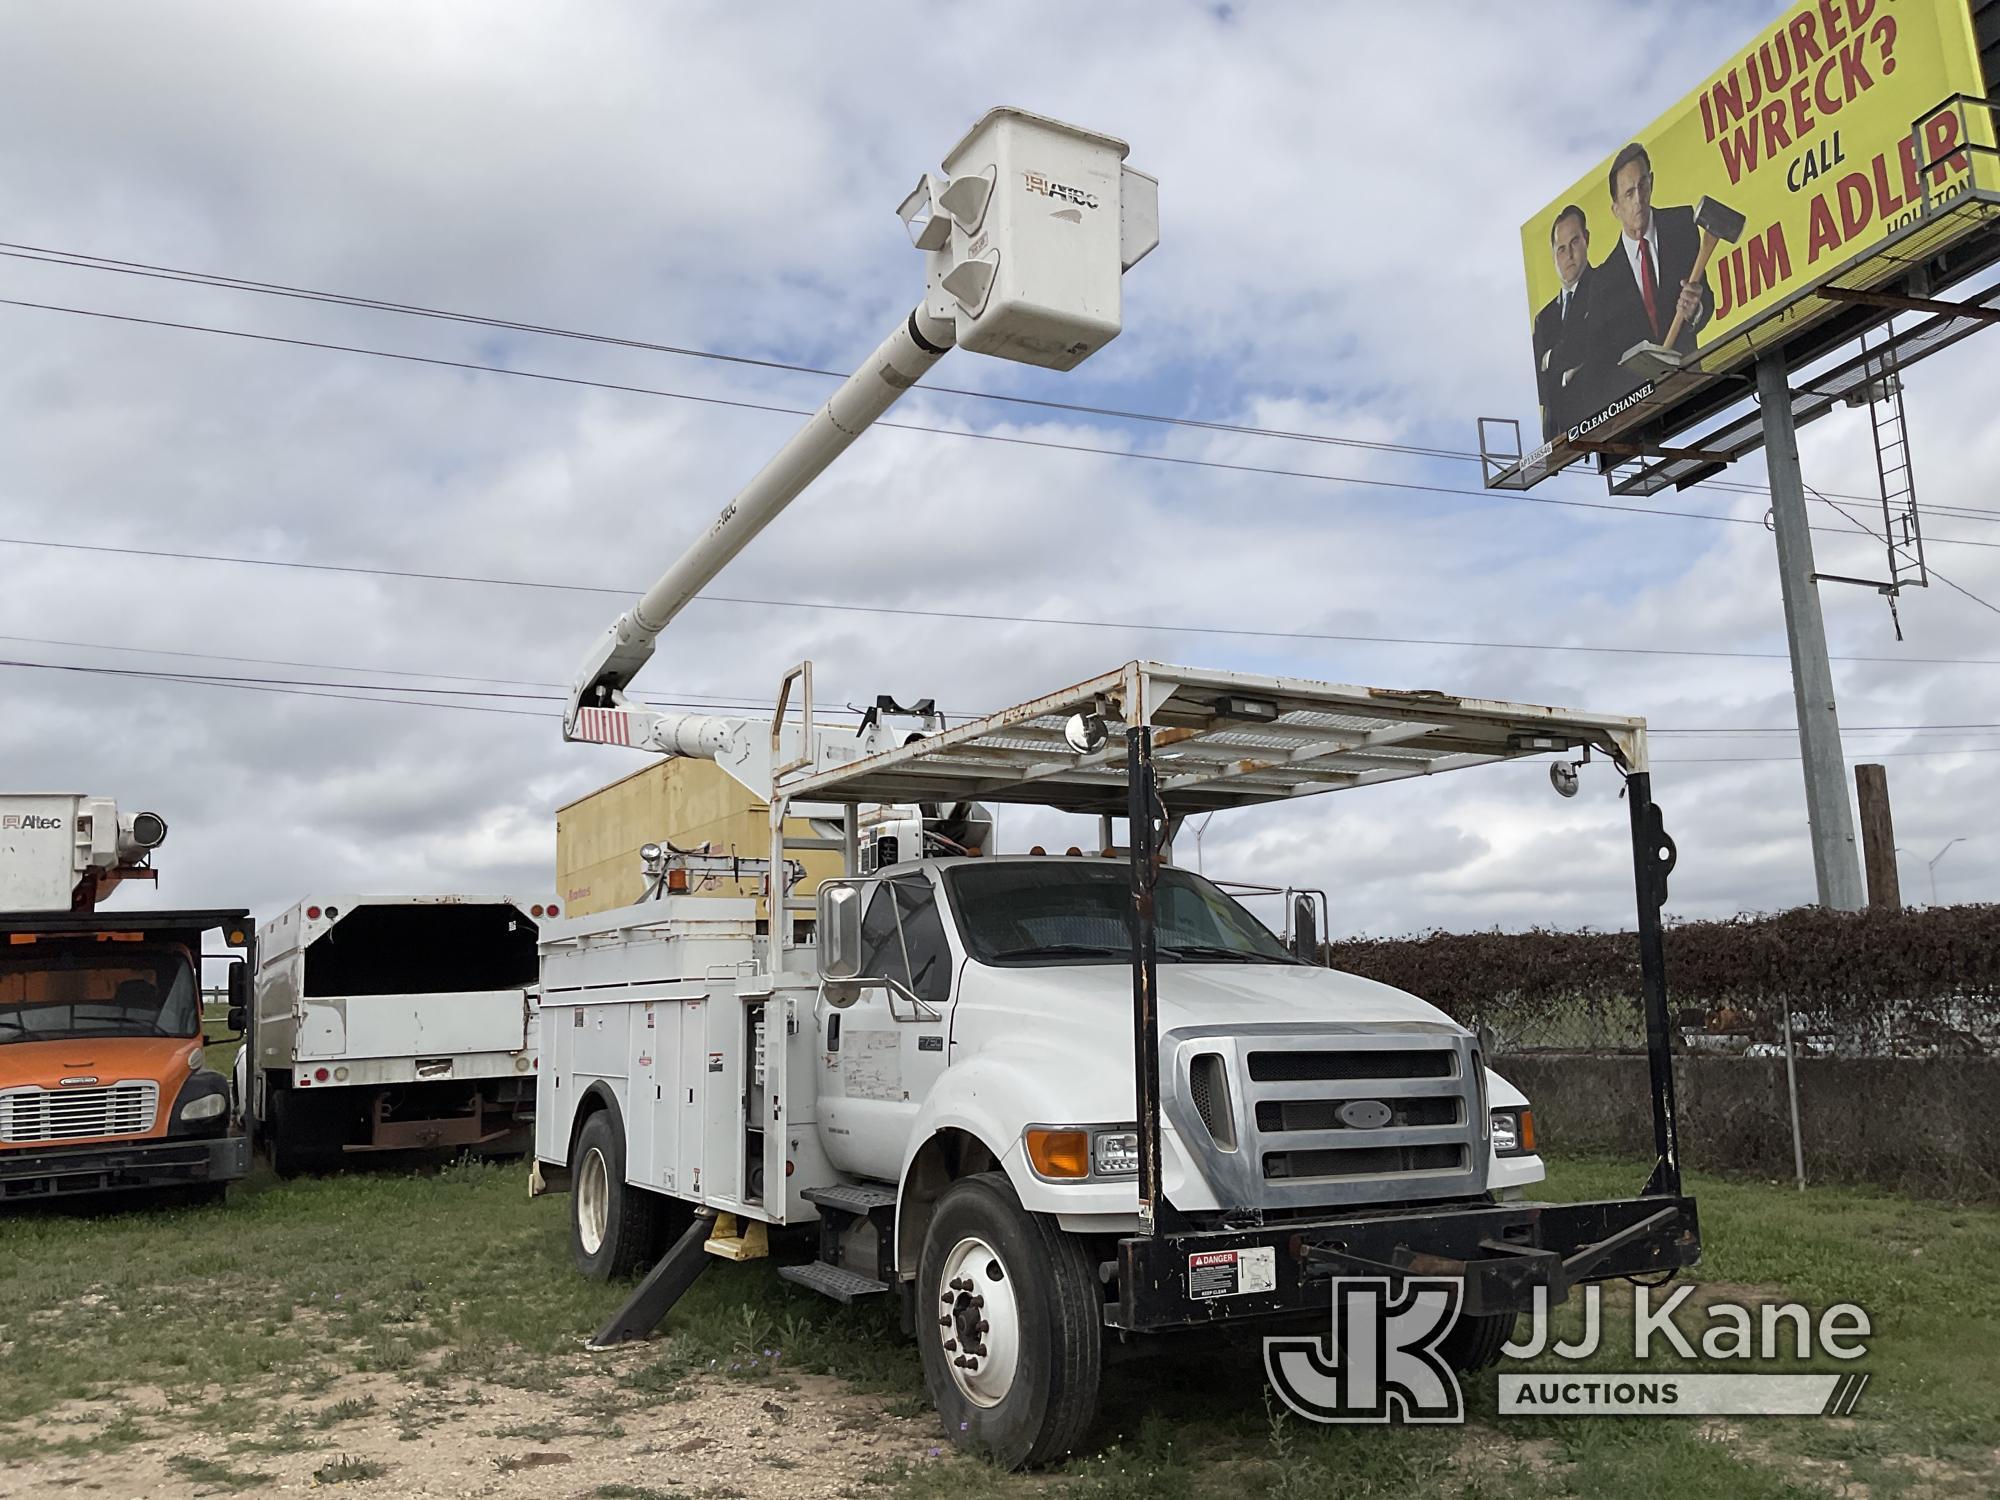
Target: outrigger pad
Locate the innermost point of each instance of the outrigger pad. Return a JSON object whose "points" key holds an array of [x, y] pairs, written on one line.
{"points": [[653, 1298]]}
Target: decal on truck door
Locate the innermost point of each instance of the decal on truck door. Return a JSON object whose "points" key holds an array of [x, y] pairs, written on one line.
{"points": [[872, 1066]]}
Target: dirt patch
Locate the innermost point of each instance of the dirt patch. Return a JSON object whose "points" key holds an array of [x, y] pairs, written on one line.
{"points": [[797, 1438]]}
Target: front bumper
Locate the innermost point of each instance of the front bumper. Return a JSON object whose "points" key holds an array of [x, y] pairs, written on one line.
{"points": [[69, 1171], [1501, 1251]]}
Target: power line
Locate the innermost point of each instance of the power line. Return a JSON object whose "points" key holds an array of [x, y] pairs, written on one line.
{"points": [[79, 260], [1865, 529], [185, 680], [978, 617], [345, 689], [1046, 444]]}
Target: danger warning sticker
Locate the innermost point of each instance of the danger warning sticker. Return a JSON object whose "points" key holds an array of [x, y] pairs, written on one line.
{"points": [[1232, 1273]]}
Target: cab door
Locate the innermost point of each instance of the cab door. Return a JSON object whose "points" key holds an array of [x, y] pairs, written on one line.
{"points": [[888, 1048]]}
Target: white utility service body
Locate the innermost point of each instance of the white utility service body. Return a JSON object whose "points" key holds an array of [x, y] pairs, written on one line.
{"points": [[410, 1021]]}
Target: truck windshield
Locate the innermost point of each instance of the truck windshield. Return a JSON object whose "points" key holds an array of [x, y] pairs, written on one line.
{"points": [[1075, 911], [52, 991]]}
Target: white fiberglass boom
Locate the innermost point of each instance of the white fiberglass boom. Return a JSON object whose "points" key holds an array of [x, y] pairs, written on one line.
{"points": [[1025, 240]]}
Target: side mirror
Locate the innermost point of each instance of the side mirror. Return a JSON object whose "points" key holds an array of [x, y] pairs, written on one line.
{"points": [[837, 943], [1305, 930], [239, 996]]}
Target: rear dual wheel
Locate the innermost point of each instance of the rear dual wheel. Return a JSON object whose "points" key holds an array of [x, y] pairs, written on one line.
{"points": [[615, 1229]]}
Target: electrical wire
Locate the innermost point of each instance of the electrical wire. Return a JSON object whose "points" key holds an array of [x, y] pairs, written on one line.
{"points": [[80, 260], [978, 617], [1010, 440], [360, 692]]}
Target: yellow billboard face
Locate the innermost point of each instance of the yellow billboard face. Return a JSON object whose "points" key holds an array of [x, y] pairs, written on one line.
{"points": [[1826, 139]]}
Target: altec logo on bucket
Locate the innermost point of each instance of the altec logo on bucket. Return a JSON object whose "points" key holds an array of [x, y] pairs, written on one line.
{"points": [[1387, 1359], [27, 820], [1035, 182]]}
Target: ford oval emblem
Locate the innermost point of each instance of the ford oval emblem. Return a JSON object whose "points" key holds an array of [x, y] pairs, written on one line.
{"points": [[1363, 1114]]}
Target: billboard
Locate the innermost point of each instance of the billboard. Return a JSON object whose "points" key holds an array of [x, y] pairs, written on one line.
{"points": [[1825, 141]]}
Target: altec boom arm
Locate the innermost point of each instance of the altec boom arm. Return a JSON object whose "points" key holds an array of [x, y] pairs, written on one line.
{"points": [[1025, 242], [598, 708]]}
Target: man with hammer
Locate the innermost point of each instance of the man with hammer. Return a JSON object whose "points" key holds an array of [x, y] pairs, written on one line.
{"points": [[1650, 289]]}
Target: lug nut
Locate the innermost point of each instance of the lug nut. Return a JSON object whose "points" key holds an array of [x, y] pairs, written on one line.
{"points": [[944, 1322], [978, 1301], [983, 1327], [950, 1345]]}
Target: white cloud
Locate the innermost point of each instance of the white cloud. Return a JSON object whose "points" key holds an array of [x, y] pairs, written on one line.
{"points": [[1338, 256]]}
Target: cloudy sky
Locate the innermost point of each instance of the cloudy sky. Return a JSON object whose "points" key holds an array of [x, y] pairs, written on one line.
{"points": [[1341, 190]]}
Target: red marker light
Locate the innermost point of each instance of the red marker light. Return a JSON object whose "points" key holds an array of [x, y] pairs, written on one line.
{"points": [[319, 1075], [554, 910], [312, 913]]}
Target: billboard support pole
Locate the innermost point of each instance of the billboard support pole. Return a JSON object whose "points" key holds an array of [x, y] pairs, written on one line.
{"points": [[1836, 862]]}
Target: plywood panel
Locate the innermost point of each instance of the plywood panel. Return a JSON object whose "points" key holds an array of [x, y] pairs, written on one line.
{"points": [[684, 802]]}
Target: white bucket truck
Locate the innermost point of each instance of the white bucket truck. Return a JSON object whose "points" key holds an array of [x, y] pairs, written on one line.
{"points": [[1048, 1101]]}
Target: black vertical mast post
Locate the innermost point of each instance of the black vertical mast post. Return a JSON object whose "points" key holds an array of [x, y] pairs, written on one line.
{"points": [[1653, 857], [1140, 797]]}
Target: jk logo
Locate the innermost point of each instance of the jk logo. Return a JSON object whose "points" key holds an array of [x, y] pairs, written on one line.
{"points": [[1381, 1363]]}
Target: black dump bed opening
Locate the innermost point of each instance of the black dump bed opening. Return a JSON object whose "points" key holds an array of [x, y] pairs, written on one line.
{"points": [[423, 950]]}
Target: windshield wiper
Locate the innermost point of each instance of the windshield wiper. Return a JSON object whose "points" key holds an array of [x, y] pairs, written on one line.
{"points": [[1210, 954], [1067, 950]]}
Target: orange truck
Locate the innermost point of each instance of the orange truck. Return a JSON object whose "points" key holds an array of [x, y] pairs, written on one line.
{"points": [[103, 1083]]}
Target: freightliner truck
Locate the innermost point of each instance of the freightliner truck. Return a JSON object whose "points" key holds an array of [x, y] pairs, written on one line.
{"points": [[1048, 1103], [103, 1085]]}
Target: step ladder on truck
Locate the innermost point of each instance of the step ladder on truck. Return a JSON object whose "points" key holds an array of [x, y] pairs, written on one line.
{"points": [[1047, 1102]]}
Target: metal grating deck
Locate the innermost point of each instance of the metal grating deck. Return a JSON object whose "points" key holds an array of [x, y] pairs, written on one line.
{"points": [[1325, 737]]}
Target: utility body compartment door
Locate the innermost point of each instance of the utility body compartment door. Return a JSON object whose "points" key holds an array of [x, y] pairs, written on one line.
{"points": [[412, 1025]]}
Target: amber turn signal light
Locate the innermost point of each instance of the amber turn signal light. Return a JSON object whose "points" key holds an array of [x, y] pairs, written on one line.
{"points": [[1060, 1153]]}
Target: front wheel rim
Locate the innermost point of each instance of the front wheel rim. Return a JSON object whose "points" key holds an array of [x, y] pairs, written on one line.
{"points": [[978, 1322], [593, 1200]]}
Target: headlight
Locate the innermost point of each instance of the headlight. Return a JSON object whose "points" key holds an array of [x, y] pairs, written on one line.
{"points": [[1513, 1132], [207, 1107], [1075, 1152], [1115, 1153]]}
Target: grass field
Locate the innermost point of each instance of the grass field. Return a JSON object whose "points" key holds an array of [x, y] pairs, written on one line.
{"points": [[446, 1288]]}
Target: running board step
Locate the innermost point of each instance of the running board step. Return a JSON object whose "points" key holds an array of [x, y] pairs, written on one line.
{"points": [[852, 1197], [832, 1281]]}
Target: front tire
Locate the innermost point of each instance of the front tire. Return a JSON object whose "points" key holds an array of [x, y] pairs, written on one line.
{"points": [[1474, 1342], [1009, 1317], [614, 1228]]}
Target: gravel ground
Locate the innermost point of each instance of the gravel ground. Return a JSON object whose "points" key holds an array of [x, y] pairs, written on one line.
{"points": [[707, 1439]]}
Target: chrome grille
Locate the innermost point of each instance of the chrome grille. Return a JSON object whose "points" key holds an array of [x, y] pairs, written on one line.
{"points": [[29, 1115], [1334, 1115]]}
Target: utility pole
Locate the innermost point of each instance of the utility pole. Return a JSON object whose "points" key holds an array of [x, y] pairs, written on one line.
{"points": [[1878, 838], [1836, 868]]}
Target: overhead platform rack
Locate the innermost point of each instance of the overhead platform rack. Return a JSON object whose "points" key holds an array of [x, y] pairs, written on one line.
{"points": [[1221, 739]]}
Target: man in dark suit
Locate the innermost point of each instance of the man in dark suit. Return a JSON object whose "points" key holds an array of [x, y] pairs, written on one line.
{"points": [[1637, 289], [1561, 328]]}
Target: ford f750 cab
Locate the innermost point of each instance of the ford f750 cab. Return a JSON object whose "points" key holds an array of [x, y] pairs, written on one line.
{"points": [[103, 1083]]}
